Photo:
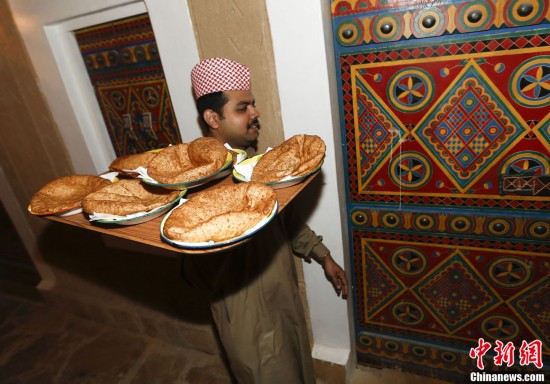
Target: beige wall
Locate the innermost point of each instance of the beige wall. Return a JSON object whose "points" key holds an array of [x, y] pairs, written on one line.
{"points": [[31, 150], [239, 30]]}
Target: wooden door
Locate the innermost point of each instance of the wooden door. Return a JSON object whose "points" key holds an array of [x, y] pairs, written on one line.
{"points": [[445, 116]]}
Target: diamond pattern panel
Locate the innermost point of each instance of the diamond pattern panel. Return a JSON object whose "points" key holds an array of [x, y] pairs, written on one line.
{"points": [[446, 295], [455, 293], [432, 130], [534, 306], [381, 285], [467, 129], [377, 131]]}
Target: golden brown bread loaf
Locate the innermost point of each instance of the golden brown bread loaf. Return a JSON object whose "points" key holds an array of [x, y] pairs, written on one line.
{"points": [[296, 156], [220, 213], [131, 162], [126, 197], [186, 162], [64, 194]]}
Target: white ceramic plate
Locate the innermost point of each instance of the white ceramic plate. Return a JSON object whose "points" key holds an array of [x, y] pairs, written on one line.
{"points": [[70, 213], [277, 184], [240, 154], [142, 217], [134, 172], [195, 183], [213, 244]]}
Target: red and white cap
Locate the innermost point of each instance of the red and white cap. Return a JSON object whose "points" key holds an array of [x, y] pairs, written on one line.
{"points": [[219, 74]]}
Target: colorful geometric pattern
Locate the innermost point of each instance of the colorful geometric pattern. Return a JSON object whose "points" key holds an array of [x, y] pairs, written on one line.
{"points": [[381, 285], [455, 294], [411, 89], [510, 272], [533, 305], [381, 350], [523, 231], [359, 22], [411, 170], [445, 116], [469, 127], [462, 293], [124, 67], [526, 185], [530, 82], [489, 124]]}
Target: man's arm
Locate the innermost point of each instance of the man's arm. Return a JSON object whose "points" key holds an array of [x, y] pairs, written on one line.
{"points": [[308, 245], [336, 275]]}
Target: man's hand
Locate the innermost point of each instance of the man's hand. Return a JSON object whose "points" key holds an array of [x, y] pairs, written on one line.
{"points": [[336, 275]]}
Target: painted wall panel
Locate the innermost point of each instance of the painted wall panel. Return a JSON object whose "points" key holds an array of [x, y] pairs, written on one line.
{"points": [[124, 66], [445, 109]]}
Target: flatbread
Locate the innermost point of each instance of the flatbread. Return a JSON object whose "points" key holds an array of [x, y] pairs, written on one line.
{"points": [[297, 156], [127, 197], [126, 163], [188, 161], [64, 194], [220, 213]]}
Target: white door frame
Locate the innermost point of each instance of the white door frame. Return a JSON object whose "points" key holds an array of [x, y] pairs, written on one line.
{"points": [[46, 28]]}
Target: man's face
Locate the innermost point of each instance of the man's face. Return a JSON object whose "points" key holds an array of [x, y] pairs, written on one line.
{"points": [[239, 126]]}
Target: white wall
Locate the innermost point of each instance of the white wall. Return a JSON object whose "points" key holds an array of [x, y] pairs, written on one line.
{"points": [[306, 79]]}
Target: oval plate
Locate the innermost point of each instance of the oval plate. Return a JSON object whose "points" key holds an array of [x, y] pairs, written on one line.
{"points": [[276, 184], [195, 183], [212, 244], [132, 172], [142, 217], [240, 154], [111, 176]]}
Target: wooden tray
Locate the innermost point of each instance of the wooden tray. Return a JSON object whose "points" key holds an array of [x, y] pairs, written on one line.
{"points": [[149, 232]]}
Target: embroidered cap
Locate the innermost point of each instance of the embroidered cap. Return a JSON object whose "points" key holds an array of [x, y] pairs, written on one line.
{"points": [[219, 74]]}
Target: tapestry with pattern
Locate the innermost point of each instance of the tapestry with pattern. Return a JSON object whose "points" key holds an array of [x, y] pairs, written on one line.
{"points": [[445, 118], [125, 69]]}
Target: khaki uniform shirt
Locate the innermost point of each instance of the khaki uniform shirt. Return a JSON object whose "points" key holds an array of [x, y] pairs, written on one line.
{"points": [[256, 304]]}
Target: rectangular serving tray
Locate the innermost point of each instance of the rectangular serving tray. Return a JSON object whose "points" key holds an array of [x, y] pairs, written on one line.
{"points": [[149, 232]]}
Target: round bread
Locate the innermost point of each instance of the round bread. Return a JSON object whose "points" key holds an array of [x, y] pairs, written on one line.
{"points": [[187, 162], [130, 162], [127, 197], [64, 194], [296, 156], [207, 150], [220, 213]]}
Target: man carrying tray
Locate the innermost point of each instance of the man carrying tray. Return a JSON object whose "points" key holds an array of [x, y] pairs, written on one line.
{"points": [[256, 304]]}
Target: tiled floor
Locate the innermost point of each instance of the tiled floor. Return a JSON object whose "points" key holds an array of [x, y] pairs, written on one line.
{"points": [[40, 344]]}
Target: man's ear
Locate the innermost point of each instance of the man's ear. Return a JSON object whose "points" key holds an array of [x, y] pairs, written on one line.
{"points": [[211, 118]]}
